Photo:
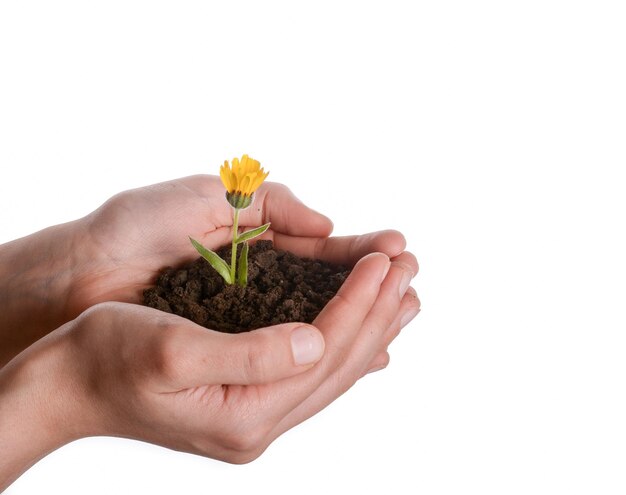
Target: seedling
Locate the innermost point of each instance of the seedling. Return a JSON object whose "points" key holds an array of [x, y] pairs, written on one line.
{"points": [[241, 180]]}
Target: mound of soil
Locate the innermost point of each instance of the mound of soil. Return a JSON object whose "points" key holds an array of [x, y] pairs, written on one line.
{"points": [[282, 287]]}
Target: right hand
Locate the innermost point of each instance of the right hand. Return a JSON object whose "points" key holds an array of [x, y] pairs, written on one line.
{"points": [[136, 372]]}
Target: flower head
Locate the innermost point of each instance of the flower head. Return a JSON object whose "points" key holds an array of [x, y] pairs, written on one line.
{"points": [[241, 180]]}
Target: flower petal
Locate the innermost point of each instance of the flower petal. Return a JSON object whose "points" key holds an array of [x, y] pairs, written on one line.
{"points": [[244, 175], [245, 184], [258, 180], [225, 175], [254, 165], [244, 167]]}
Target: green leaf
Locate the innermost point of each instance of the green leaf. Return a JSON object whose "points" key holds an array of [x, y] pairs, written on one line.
{"points": [[251, 234], [242, 268], [214, 260]]}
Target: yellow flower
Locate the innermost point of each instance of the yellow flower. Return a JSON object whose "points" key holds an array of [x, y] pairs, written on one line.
{"points": [[244, 177]]}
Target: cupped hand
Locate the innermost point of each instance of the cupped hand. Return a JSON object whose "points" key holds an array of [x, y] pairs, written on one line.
{"points": [[139, 373], [138, 232], [115, 252], [127, 370]]}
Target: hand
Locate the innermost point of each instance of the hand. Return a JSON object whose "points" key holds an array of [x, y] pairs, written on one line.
{"points": [[131, 371], [116, 251], [137, 233]]}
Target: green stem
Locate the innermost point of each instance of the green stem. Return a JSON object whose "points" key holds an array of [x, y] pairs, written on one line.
{"points": [[233, 256]]}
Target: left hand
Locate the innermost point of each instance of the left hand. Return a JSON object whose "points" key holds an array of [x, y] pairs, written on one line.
{"points": [[138, 232], [112, 254]]}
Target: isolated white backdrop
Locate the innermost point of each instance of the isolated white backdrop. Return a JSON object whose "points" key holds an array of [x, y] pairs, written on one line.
{"points": [[491, 133]]}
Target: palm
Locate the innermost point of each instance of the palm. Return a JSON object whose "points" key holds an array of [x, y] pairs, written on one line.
{"points": [[138, 232]]}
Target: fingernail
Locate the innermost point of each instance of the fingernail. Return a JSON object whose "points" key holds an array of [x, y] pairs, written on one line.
{"points": [[307, 345], [404, 283], [408, 316]]}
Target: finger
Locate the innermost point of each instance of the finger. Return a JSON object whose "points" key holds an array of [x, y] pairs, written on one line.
{"points": [[343, 316], [371, 338], [202, 357], [274, 203], [354, 361], [344, 250], [380, 362], [409, 309], [340, 322], [408, 259]]}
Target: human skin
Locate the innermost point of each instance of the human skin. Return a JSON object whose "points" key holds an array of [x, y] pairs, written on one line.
{"points": [[125, 370], [50, 277]]}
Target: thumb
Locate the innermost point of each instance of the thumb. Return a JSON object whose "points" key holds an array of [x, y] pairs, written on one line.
{"points": [[287, 213], [261, 356]]}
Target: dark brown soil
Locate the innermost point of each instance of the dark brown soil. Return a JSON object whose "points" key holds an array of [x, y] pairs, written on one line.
{"points": [[281, 288]]}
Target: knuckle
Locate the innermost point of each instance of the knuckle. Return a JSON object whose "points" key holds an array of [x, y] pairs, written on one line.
{"points": [[168, 353], [97, 311], [341, 304], [243, 445], [280, 188], [320, 247], [98, 317], [257, 359], [120, 200], [246, 444], [345, 377], [240, 458], [385, 359]]}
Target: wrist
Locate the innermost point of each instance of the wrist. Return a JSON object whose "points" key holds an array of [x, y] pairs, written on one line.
{"points": [[37, 274], [38, 406]]}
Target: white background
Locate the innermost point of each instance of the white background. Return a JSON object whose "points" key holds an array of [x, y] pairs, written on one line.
{"points": [[492, 133]]}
